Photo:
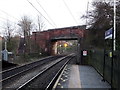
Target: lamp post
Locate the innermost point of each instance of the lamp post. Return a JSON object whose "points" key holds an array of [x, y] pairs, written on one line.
{"points": [[113, 43], [114, 38]]}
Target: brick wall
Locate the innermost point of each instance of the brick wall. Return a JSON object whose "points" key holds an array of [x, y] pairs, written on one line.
{"points": [[43, 39]]}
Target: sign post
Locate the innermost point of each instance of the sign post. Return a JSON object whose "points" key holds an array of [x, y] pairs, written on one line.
{"points": [[113, 43], [114, 34]]}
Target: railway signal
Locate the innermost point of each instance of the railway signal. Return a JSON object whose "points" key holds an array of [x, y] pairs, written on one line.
{"points": [[65, 45]]}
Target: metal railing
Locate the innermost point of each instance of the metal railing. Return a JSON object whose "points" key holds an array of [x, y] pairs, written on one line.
{"points": [[101, 61]]}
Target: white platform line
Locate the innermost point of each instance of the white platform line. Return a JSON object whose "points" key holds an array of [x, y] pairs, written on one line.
{"points": [[74, 81]]}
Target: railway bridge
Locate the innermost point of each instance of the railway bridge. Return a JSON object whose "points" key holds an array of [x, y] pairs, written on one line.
{"points": [[46, 40]]}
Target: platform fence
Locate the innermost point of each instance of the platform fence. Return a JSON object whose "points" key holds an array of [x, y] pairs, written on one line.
{"points": [[103, 65]]}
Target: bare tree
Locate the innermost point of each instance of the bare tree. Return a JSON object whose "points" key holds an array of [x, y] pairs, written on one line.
{"points": [[41, 24], [26, 27], [8, 30]]}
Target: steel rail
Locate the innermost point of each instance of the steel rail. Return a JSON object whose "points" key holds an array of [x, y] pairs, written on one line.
{"points": [[3, 81], [23, 65], [40, 73], [6, 73], [51, 84]]}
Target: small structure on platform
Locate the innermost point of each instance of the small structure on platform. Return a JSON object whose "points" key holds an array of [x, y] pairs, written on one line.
{"points": [[5, 55]]}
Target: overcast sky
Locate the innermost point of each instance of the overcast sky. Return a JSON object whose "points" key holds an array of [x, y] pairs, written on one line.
{"points": [[56, 10]]}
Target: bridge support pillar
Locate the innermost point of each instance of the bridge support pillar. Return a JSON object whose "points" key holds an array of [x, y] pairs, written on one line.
{"points": [[79, 59]]}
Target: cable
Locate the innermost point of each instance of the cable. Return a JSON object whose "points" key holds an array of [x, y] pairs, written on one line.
{"points": [[2, 19], [2, 27], [45, 12], [8, 14], [70, 11], [6, 19], [39, 12]]}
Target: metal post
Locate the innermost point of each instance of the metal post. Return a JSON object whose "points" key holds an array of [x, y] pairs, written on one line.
{"points": [[112, 60], [104, 64], [24, 43], [114, 26], [5, 45], [113, 43], [79, 52], [35, 46]]}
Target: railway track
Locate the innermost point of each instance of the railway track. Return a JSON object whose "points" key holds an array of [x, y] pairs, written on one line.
{"points": [[13, 71], [16, 73], [46, 78]]}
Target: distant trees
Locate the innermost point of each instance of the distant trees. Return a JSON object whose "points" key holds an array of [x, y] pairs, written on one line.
{"points": [[100, 19], [8, 30], [41, 24], [26, 27], [102, 15], [8, 36]]}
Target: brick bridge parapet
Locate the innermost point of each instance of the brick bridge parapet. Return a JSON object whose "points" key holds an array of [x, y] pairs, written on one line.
{"points": [[46, 39]]}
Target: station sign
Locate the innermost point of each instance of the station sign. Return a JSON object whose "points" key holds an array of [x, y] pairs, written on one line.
{"points": [[84, 53], [108, 33]]}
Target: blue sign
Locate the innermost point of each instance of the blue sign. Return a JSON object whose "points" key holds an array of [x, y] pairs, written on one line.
{"points": [[108, 34]]}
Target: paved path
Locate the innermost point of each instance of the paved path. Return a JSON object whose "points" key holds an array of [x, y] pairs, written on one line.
{"points": [[74, 80], [81, 76]]}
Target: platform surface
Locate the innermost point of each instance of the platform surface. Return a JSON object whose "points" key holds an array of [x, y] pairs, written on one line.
{"points": [[79, 76]]}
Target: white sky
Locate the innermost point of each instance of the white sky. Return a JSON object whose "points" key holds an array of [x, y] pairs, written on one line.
{"points": [[56, 9]]}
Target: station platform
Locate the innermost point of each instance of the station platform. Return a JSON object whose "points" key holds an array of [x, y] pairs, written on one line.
{"points": [[80, 76]]}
